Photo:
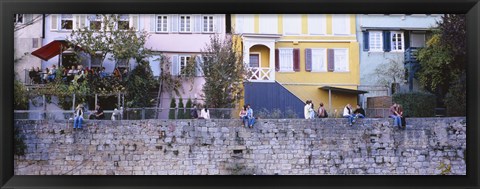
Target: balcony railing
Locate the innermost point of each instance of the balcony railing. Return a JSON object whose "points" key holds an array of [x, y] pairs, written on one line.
{"points": [[411, 55], [260, 74]]}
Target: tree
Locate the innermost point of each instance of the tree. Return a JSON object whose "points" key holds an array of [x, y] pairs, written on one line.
{"points": [[443, 63], [171, 112], [181, 109], [140, 83], [188, 108], [391, 72], [224, 72]]}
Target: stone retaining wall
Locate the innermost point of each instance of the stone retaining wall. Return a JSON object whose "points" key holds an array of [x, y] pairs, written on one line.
{"points": [[429, 146]]}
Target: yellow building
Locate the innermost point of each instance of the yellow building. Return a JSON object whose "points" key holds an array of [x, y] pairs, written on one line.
{"points": [[311, 56]]}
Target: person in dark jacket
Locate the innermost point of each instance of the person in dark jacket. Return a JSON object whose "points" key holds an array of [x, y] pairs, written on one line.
{"points": [[359, 112]]}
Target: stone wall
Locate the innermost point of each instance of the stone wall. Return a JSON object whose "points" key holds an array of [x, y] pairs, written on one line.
{"points": [[210, 147]]}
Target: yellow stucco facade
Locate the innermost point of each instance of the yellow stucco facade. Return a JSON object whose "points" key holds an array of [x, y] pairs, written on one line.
{"points": [[305, 85]]}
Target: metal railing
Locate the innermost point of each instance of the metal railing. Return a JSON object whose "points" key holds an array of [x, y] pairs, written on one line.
{"points": [[126, 114]]}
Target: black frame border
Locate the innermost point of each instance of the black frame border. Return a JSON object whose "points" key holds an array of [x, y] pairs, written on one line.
{"points": [[9, 7]]}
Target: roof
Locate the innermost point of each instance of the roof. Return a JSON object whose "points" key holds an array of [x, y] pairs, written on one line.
{"points": [[342, 90], [50, 50]]}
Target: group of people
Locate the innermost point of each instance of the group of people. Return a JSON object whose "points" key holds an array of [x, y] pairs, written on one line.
{"points": [[352, 116], [39, 77], [309, 111], [246, 115], [204, 112], [79, 112], [74, 74], [396, 112]]}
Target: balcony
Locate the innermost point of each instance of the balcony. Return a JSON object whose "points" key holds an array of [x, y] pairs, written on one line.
{"points": [[260, 74], [411, 55]]}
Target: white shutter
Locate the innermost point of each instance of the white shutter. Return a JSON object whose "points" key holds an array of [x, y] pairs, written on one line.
{"points": [[54, 22], [198, 66], [155, 65], [174, 22], [76, 21], [83, 18], [175, 65], [197, 23], [238, 23], [218, 23], [134, 22], [153, 23]]}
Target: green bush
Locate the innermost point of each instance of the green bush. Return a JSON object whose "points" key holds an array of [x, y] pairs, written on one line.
{"points": [[181, 109], [416, 104], [188, 107], [171, 112], [456, 98]]}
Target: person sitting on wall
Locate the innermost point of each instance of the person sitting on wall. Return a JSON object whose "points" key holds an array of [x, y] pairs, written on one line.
{"points": [[322, 113], [243, 116], [204, 113], [359, 112], [347, 113], [193, 112], [397, 120], [98, 113], [402, 117], [77, 123], [251, 119], [306, 109], [312, 110]]}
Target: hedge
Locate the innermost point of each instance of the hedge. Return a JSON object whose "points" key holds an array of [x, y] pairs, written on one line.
{"points": [[416, 104]]}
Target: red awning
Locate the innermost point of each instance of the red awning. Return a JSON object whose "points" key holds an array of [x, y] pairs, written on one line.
{"points": [[50, 50]]}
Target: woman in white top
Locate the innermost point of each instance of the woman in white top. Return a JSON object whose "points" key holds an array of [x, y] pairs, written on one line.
{"points": [[204, 113], [348, 113], [77, 122], [307, 109]]}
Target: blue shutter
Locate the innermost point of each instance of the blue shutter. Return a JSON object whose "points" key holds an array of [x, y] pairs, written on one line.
{"points": [[386, 41], [406, 38], [366, 46], [308, 60]]}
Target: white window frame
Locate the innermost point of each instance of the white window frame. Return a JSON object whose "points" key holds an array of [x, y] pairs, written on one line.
{"points": [[61, 22], [125, 19], [162, 22], [98, 18], [315, 21], [292, 21], [183, 65], [371, 40], [346, 59], [321, 52], [212, 20], [259, 58], [285, 56], [394, 42], [189, 21], [337, 21], [16, 17]]}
